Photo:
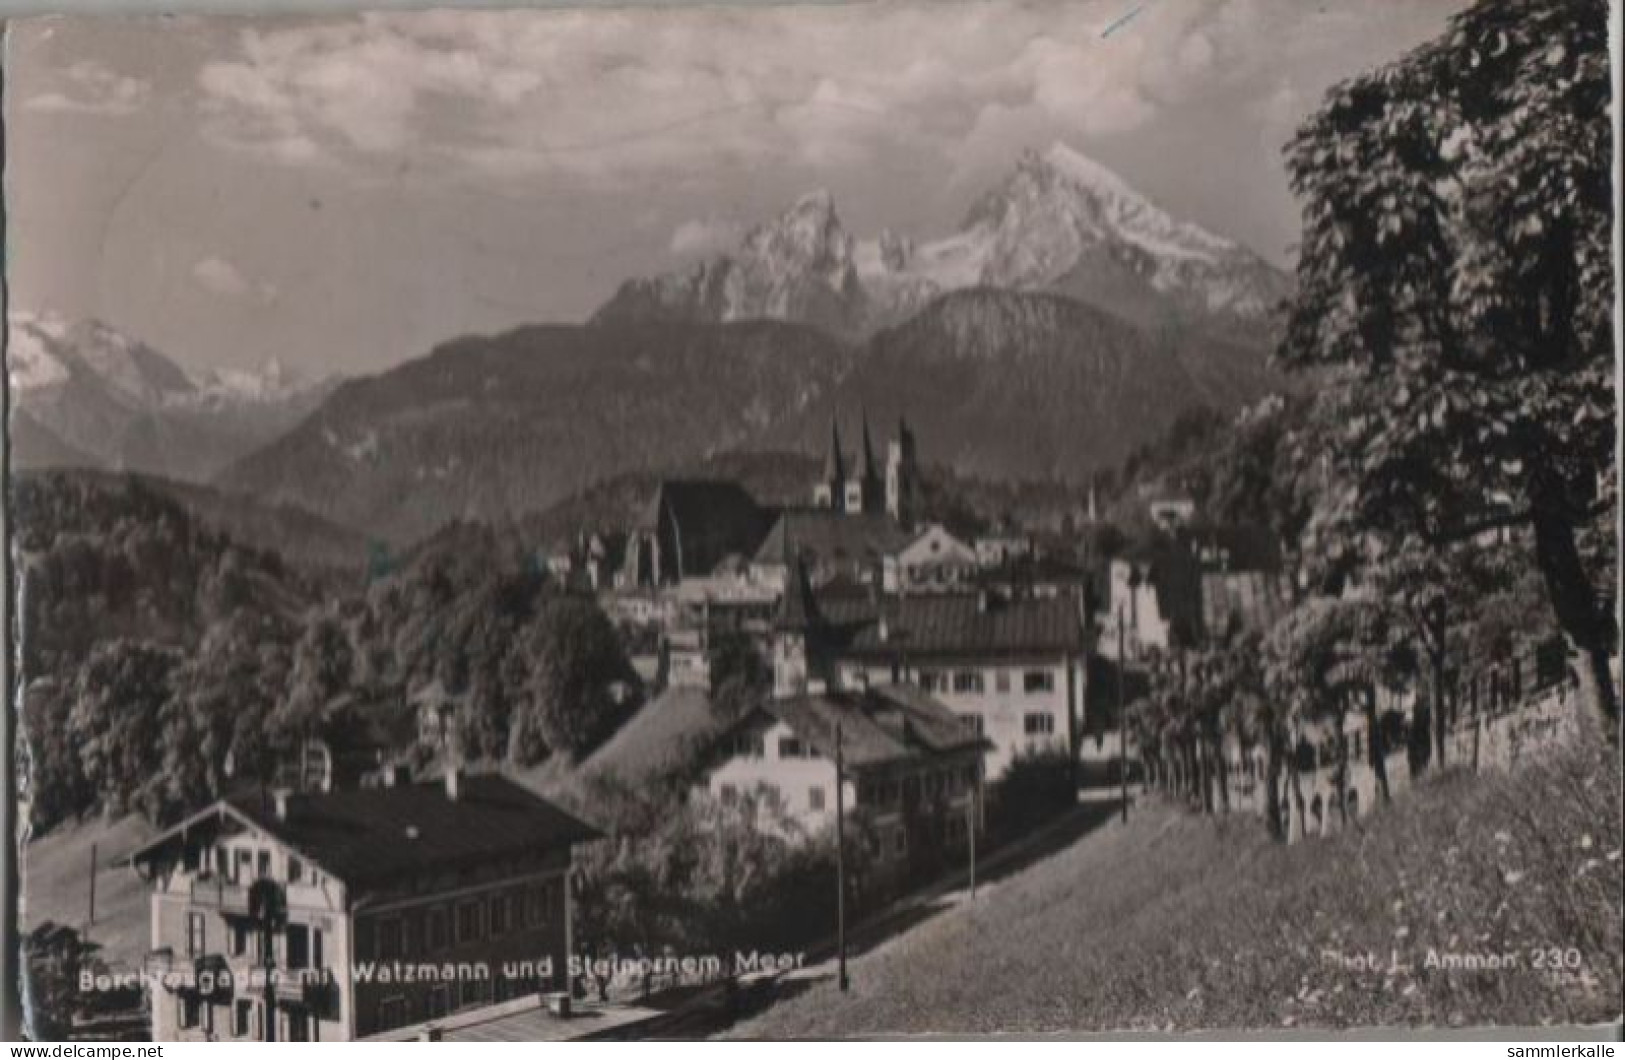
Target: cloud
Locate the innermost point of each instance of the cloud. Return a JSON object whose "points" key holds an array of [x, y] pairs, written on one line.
{"points": [[219, 276], [704, 237], [607, 96], [89, 88]]}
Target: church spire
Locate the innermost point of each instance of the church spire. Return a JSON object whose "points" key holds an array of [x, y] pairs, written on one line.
{"points": [[798, 611], [834, 463], [867, 471]]}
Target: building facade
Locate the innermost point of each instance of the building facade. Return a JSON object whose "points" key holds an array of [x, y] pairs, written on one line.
{"points": [[1014, 671], [910, 770], [342, 915]]}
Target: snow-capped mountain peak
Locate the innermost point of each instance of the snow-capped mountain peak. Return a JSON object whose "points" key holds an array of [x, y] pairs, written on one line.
{"points": [[1059, 221], [272, 381], [796, 266], [1133, 216], [30, 364], [112, 400]]}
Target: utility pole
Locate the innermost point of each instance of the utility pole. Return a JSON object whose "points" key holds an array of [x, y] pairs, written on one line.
{"points": [[840, 864], [1122, 712], [970, 831], [92, 919]]}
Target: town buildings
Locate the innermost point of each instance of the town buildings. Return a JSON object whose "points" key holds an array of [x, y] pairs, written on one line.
{"points": [[910, 765], [690, 526], [1013, 671], [1195, 583], [343, 914], [909, 768]]}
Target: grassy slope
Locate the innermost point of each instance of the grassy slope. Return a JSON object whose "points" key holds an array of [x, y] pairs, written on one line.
{"points": [[55, 886], [1173, 923]]}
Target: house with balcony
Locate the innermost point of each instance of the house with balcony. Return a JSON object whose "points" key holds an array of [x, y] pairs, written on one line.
{"points": [[910, 768], [345, 914], [1014, 671]]}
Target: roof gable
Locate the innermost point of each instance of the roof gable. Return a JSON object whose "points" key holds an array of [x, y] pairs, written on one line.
{"points": [[973, 625], [367, 835]]}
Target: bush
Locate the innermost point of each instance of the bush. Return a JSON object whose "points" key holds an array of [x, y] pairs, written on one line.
{"points": [[1036, 787]]}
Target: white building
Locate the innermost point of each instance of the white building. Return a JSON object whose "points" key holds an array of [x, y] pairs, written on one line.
{"points": [[933, 561]]}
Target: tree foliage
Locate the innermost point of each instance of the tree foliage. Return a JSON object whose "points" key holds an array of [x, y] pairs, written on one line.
{"points": [[1456, 276]]}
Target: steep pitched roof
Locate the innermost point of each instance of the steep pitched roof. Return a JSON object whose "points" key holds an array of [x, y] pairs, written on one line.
{"points": [[834, 461], [866, 465], [699, 500], [831, 537], [880, 725], [959, 625], [798, 610], [374, 835]]}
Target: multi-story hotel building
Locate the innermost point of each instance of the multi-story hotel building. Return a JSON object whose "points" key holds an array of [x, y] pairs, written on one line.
{"points": [[1014, 671], [346, 914]]}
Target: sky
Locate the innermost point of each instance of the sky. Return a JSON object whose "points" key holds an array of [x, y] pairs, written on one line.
{"points": [[341, 193]]}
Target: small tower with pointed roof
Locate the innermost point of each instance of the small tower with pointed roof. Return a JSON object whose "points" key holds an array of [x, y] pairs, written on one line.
{"points": [[865, 490], [902, 475], [830, 491], [798, 636]]}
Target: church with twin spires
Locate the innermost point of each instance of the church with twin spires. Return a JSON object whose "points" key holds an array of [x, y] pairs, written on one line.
{"points": [[861, 490]]}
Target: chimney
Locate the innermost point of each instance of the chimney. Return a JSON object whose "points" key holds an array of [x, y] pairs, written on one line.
{"points": [[454, 782], [283, 798]]}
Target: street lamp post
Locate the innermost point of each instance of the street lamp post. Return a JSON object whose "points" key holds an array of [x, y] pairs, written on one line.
{"points": [[840, 863], [1122, 713]]}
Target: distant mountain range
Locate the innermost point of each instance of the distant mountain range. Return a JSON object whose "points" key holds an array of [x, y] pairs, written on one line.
{"points": [[493, 428], [1067, 321], [1059, 222], [86, 395]]}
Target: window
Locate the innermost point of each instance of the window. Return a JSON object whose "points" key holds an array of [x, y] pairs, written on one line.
{"points": [[206, 1014], [389, 938], [973, 723], [967, 681], [411, 933], [1038, 724], [1001, 680], [747, 745], [536, 904], [499, 913], [243, 866], [316, 960], [187, 1012], [728, 793], [194, 934], [1034, 681], [296, 869], [265, 865], [237, 940], [298, 946], [900, 842], [242, 1018], [391, 1013], [298, 1026], [791, 747], [469, 928], [815, 798], [439, 935]]}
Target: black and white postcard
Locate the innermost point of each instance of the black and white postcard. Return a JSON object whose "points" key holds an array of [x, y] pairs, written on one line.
{"points": [[805, 521]]}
